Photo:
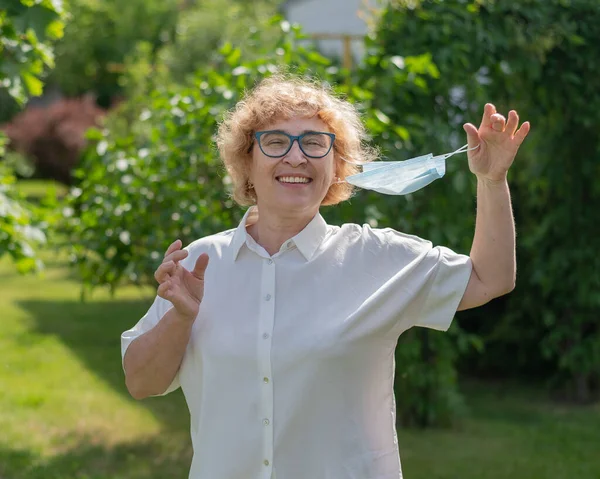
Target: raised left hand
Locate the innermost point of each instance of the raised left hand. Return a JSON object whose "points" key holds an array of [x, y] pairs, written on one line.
{"points": [[499, 142]]}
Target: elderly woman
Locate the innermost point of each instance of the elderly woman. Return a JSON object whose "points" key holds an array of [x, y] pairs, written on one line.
{"points": [[284, 344]]}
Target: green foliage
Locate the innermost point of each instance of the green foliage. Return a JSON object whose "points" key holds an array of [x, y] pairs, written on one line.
{"points": [[27, 28], [89, 58], [180, 35], [425, 382], [21, 226], [209, 24], [539, 57]]}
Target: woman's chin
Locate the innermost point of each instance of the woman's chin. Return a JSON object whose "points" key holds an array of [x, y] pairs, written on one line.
{"points": [[291, 202]]}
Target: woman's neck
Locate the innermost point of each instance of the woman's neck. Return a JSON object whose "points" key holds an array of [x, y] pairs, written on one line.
{"points": [[271, 230]]}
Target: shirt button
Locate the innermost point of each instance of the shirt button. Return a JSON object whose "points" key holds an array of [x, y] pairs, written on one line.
{"points": [[266, 462], [268, 297], [270, 261], [266, 336], [266, 422], [266, 380]]}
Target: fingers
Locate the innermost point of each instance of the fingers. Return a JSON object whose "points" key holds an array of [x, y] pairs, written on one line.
{"points": [[164, 290], [200, 266], [472, 135], [169, 265], [498, 122], [176, 255], [175, 245], [522, 133], [165, 271], [488, 111], [513, 122]]}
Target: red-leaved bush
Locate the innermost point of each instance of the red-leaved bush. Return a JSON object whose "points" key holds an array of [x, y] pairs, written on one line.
{"points": [[53, 136]]}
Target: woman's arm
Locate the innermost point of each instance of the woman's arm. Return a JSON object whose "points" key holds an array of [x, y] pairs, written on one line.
{"points": [[152, 360], [493, 251]]}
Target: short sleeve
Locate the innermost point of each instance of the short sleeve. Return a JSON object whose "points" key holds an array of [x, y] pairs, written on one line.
{"points": [[447, 274], [158, 309], [417, 284]]}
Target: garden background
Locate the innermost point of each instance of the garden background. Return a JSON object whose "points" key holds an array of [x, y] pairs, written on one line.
{"points": [[107, 113]]}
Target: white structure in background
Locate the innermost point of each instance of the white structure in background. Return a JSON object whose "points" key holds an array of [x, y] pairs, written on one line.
{"points": [[339, 25]]}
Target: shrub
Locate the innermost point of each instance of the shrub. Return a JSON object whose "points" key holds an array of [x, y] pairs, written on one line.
{"points": [[539, 57], [54, 136], [21, 225], [27, 29]]}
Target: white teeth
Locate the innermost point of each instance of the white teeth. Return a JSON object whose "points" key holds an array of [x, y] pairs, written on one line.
{"points": [[293, 179]]}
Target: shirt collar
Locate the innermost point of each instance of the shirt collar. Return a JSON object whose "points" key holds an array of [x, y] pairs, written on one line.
{"points": [[307, 241]]}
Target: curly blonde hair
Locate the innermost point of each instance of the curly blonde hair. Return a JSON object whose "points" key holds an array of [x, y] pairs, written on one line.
{"points": [[281, 97]]}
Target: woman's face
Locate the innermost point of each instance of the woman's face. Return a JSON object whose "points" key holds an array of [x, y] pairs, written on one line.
{"points": [[272, 177]]}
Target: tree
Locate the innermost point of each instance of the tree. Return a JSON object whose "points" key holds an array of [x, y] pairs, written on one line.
{"points": [[26, 29], [539, 57]]}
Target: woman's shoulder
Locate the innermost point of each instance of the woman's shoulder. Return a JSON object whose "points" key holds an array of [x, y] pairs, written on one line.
{"points": [[213, 242], [383, 237]]}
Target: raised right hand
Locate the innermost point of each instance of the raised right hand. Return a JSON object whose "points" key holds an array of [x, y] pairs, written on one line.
{"points": [[183, 288]]}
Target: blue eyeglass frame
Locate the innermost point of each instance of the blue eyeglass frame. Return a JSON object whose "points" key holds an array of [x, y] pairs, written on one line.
{"points": [[293, 138]]}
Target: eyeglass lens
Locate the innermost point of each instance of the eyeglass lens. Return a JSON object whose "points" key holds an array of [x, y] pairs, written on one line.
{"points": [[312, 144]]}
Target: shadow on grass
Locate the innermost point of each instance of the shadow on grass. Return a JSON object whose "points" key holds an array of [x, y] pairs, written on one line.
{"points": [[149, 459], [92, 331], [54, 260]]}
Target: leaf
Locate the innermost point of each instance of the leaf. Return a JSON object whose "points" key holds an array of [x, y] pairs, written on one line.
{"points": [[55, 5], [13, 7], [33, 85], [318, 59], [382, 117], [55, 30], [37, 18], [577, 40], [402, 132], [398, 61], [233, 58], [16, 90], [226, 49]]}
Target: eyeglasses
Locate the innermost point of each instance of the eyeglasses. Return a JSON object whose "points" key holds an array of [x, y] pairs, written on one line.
{"points": [[275, 143]]}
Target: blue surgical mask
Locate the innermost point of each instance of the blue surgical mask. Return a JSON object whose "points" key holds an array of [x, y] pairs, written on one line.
{"points": [[402, 177]]}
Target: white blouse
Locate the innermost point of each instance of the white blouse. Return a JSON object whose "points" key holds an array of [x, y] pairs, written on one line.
{"points": [[289, 371]]}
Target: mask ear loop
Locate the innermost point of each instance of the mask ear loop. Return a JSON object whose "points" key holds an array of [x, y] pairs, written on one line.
{"points": [[340, 181], [462, 149], [352, 162]]}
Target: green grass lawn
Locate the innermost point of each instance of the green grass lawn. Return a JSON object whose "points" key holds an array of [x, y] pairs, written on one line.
{"points": [[65, 412]]}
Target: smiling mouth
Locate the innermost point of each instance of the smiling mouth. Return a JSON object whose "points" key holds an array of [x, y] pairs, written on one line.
{"points": [[293, 180]]}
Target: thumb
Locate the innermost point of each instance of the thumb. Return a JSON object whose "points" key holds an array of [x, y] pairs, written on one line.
{"points": [[472, 135], [200, 266]]}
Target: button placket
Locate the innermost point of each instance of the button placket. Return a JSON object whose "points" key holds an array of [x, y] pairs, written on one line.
{"points": [[266, 323]]}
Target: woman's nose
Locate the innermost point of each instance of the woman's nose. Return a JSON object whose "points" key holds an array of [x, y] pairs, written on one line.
{"points": [[295, 157]]}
